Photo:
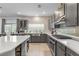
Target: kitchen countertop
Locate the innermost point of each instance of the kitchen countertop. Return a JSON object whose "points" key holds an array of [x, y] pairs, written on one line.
{"points": [[7, 43], [69, 43]]}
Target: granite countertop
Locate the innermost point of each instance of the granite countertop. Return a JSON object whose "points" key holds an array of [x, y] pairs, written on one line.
{"points": [[70, 43], [8, 43]]}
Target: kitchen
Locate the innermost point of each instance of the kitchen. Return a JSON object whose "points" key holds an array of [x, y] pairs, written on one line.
{"points": [[39, 29]]}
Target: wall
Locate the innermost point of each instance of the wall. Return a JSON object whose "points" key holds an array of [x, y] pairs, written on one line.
{"points": [[38, 20], [11, 20], [31, 20], [69, 30]]}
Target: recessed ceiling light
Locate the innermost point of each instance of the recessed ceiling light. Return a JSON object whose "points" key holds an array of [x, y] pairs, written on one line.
{"points": [[36, 18], [36, 15], [18, 13], [44, 12]]}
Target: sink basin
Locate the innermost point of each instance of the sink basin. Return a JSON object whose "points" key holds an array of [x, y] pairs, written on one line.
{"points": [[62, 37]]}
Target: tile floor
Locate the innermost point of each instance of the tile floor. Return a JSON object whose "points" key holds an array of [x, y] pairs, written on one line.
{"points": [[39, 49]]}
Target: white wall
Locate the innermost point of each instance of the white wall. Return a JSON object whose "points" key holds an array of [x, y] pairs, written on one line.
{"points": [[11, 19], [31, 20], [38, 20]]}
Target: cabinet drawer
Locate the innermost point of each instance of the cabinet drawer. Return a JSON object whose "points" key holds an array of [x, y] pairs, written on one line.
{"points": [[70, 52], [61, 46]]}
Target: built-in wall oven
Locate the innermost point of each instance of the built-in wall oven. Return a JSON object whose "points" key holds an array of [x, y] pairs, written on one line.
{"points": [[51, 44]]}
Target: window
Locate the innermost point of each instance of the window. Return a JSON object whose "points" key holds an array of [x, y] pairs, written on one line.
{"points": [[10, 25], [35, 27], [10, 28]]}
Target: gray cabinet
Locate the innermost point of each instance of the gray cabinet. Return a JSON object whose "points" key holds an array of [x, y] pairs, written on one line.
{"points": [[71, 14], [52, 45], [38, 39], [35, 39], [0, 26], [60, 49], [21, 25], [78, 14], [64, 51], [70, 53], [43, 38]]}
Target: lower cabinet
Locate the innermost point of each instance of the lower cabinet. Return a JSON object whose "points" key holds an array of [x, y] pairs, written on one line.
{"points": [[64, 51], [60, 49], [51, 44], [35, 39], [69, 52], [42, 38]]}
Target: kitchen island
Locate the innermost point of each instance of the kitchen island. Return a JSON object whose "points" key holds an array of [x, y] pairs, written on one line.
{"points": [[8, 45]]}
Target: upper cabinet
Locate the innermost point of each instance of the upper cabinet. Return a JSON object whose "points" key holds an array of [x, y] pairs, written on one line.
{"points": [[59, 12], [0, 25], [78, 14], [70, 11], [59, 15], [71, 14], [21, 25]]}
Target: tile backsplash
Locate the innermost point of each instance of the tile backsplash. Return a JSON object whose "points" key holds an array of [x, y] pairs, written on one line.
{"points": [[68, 30]]}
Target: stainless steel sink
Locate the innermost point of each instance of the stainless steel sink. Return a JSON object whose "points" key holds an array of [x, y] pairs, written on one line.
{"points": [[62, 37]]}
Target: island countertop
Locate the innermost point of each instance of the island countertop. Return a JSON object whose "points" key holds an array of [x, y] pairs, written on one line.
{"points": [[7, 43]]}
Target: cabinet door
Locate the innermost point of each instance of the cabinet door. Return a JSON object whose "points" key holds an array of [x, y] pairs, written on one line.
{"points": [[60, 52], [0, 26], [60, 49], [35, 39], [51, 44], [78, 14], [43, 38], [70, 53], [71, 14], [21, 24], [25, 22]]}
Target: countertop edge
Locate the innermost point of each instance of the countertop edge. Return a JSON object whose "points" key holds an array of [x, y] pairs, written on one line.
{"points": [[15, 46]]}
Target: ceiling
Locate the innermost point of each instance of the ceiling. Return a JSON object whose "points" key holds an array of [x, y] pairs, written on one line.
{"points": [[27, 9]]}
